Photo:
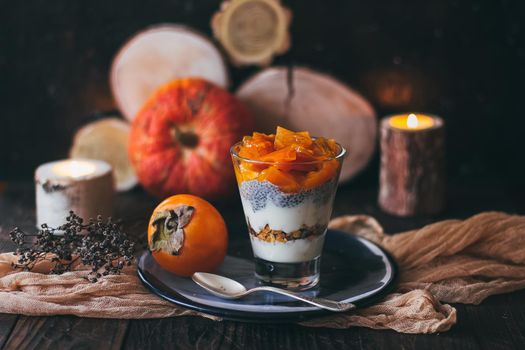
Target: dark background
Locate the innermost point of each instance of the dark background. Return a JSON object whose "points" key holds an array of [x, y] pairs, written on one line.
{"points": [[462, 60]]}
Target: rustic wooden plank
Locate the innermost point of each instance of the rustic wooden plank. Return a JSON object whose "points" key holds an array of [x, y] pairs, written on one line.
{"points": [[459, 337], [514, 316], [67, 332], [497, 322], [181, 332], [195, 332], [7, 323], [190, 333]]}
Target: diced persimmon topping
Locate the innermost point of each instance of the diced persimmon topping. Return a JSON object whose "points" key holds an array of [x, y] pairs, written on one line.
{"points": [[317, 178], [284, 155], [284, 180], [284, 138], [290, 160]]}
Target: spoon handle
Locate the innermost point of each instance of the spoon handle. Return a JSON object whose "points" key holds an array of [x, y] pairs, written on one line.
{"points": [[319, 302]]}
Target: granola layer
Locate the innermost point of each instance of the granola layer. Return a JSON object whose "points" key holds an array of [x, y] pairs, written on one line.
{"points": [[269, 235]]}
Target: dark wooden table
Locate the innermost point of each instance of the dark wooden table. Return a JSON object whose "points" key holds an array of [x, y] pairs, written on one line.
{"points": [[498, 323]]}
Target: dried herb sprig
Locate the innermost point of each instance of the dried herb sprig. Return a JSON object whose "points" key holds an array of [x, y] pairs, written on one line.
{"points": [[97, 243]]}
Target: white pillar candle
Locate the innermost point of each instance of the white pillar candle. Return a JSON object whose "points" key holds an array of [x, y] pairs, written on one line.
{"points": [[84, 186]]}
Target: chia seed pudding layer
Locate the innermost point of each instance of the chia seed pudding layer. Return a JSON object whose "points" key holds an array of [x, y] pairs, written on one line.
{"points": [[260, 193], [276, 216]]}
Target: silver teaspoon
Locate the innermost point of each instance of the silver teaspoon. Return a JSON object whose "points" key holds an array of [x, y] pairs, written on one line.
{"points": [[227, 288]]}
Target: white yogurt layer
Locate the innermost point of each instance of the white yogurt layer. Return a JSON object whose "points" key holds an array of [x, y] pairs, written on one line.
{"points": [[289, 219], [265, 205], [293, 251]]}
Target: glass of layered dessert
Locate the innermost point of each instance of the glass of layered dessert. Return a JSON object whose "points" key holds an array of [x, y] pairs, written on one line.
{"points": [[287, 182]]}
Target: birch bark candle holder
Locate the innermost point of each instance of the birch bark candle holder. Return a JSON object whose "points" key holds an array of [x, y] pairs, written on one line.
{"points": [[411, 180], [84, 186]]}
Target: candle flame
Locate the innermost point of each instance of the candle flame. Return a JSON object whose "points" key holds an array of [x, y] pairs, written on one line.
{"points": [[74, 168], [412, 121]]}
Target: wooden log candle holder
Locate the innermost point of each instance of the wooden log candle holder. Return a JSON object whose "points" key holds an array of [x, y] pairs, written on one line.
{"points": [[412, 165]]}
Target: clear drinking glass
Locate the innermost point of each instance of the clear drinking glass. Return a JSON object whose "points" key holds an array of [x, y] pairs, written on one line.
{"points": [[287, 227]]}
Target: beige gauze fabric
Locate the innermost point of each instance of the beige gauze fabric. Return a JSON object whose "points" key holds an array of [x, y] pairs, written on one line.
{"points": [[450, 261]]}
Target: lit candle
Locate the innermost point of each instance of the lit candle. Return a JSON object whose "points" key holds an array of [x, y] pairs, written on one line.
{"points": [[411, 121], [84, 186], [74, 168], [412, 164]]}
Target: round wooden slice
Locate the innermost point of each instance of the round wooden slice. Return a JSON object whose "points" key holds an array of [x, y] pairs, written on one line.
{"points": [[307, 100], [107, 140], [252, 31], [157, 55]]}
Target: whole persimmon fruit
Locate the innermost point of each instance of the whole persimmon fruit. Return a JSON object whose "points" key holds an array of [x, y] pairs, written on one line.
{"points": [[186, 234], [180, 139]]}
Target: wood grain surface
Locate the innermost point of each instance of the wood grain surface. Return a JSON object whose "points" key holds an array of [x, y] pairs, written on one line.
{"points": [[498, 323]]}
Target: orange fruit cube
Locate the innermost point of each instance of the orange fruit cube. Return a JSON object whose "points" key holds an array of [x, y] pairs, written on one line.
{"points": [[285, 181], [285, 137], [326, 173]]}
